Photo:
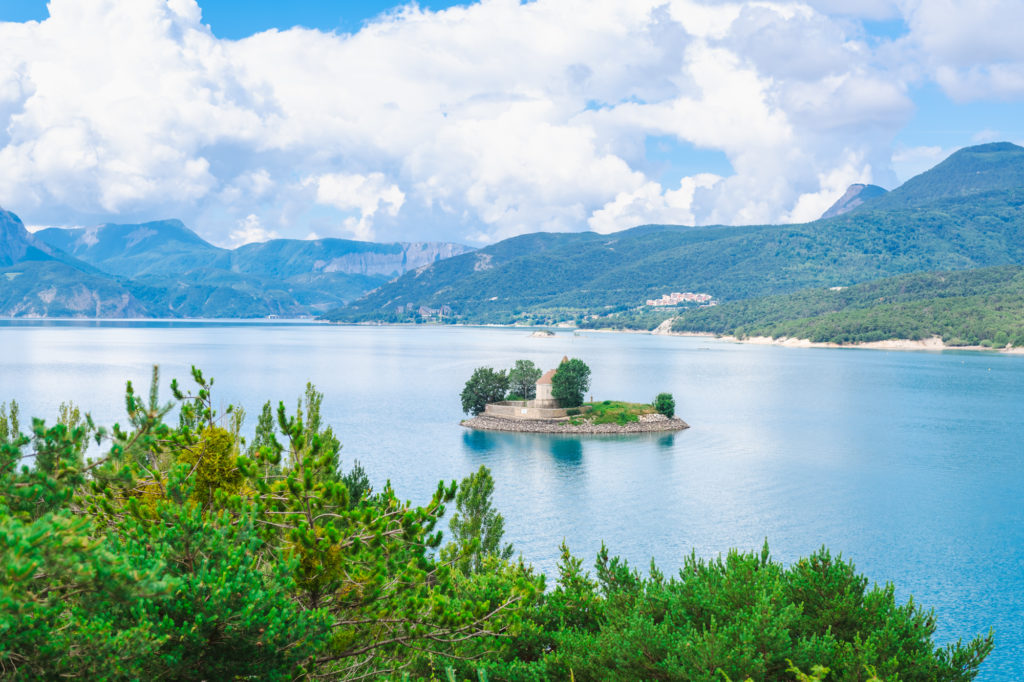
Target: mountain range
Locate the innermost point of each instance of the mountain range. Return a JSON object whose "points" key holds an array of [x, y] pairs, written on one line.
{"points": [[966, 212], [164, 269]]}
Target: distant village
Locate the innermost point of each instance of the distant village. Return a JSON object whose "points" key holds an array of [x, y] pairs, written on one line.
{"points": [[424, 311], [676, 298]]}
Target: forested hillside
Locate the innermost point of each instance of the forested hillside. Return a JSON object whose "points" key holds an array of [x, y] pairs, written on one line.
{"points": [[968, 212], [972, 307]]}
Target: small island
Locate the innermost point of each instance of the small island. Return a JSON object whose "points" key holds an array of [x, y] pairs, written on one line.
{"points": [[525, 400]]}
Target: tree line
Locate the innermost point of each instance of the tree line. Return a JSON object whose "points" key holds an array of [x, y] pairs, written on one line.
{"points": [[569, 384]]}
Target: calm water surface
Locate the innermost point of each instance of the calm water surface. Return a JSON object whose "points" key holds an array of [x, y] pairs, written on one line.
{"points": [[910, 464]]}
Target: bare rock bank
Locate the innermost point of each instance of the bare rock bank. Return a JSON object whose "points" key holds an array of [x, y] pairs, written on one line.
{"points": [[648, 423]]}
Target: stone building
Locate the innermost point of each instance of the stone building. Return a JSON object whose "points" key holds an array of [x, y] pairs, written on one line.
{"points": [[544, 406], [544, 397]]}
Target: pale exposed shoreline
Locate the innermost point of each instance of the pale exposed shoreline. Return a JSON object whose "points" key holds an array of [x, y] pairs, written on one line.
{"points": [[652, 424], [934, 343]]}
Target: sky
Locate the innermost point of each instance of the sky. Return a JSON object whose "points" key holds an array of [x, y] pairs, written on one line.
{"points": [[475, 122]]}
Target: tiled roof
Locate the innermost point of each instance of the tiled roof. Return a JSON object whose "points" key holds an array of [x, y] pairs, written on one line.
{"points": [[546, 379]]}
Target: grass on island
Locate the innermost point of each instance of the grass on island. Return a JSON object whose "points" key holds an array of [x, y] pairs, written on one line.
{"points": [[611, 412]]}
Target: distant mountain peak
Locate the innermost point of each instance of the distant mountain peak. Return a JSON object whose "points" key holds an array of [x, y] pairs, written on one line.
{"points": [[17, 244], [990, 148], [854, 196], [971, 171]]}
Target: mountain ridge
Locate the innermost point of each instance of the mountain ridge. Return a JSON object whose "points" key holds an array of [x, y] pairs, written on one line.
{"points": [[967, 212], [162, 268]]}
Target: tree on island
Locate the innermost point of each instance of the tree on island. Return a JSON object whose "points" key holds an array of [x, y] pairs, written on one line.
{"points": [[487, 385], [522, 379], [665, 404], [570, 382]]}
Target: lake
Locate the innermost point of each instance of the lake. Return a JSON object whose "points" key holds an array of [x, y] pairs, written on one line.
{"points": [[909, 463]]}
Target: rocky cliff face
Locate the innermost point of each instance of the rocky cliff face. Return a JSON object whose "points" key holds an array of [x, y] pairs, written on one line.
{"points": [[855, 196], [411, 256], [50, 288]]}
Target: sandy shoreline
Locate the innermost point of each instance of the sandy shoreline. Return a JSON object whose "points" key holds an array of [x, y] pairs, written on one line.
{"points": [[934, 343]]}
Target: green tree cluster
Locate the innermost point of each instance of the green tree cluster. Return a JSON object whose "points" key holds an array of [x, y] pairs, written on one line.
{"points": [[665, 404], [486, 385], [180, 553], [743, 616], [522, 379], [965, 308], [183, 552], [570, 382]]}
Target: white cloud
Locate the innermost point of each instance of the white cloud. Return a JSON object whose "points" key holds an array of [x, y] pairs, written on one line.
{"points": [[972, 48], [250, 230], [649, 204], [367, 194], [474, 123]]}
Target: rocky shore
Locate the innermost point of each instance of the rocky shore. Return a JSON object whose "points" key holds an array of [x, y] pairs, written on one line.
{"points": [[647, 423]]}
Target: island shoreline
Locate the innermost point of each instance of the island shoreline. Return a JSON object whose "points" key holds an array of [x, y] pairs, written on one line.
{"points": [[487, 423]]}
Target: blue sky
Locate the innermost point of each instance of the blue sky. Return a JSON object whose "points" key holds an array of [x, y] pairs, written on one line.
{"points": [[491, 119], [240, 18]]}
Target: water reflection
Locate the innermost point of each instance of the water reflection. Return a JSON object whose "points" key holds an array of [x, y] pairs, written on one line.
{"points": [[565, 449]]}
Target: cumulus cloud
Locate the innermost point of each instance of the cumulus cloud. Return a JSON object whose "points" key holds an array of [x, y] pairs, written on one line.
{"points": [[650, 204], [364, 193], [972, 48], [250, 230], [474, 123]]}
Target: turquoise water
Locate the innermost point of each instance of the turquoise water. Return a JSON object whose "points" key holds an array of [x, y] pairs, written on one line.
{"points": [[908, 463]]}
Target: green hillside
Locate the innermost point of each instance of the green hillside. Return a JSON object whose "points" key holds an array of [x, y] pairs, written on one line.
{"points": [[969, 307], [554, 277], [968, 212]]}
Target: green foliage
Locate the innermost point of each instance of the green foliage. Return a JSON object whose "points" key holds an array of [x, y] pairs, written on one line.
{"points": [[522, 379], [570, 382], [665, 404], [616, 412], [358, 483], [485, 386], [264, 436], [477, 528], [172, 555], [212, 461], [10, 426], [742, 616], [973, 307]]}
